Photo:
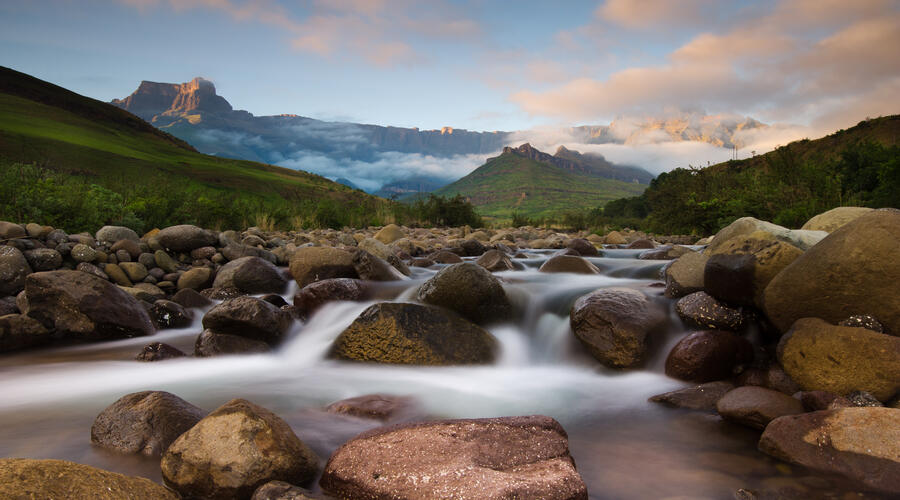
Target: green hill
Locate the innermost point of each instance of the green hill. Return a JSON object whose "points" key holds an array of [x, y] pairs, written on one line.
{"points": [[512, 183], [49, 135]]}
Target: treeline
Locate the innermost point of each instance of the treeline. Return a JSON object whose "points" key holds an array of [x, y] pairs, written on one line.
{"points": [[31, 193]]}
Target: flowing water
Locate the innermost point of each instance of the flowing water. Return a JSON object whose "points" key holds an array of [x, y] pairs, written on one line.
{"points": [[624, 447]]}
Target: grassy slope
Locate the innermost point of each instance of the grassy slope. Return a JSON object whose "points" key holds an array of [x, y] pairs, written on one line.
{"points": [[43, 123], [511, 183]]}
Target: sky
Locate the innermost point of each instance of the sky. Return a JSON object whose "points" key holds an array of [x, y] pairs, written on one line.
{"points": [[479, 64]]}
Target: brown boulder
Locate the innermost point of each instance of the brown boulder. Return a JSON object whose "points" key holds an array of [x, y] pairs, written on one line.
{"points": [[18, 331], [739, 270], [374, 406], [583, 247], [445, 257], [185, 237], [373, 268], [685, 275], [210, 343], [497, 261], [568, 264], [470, 290], [311, 264], [22, 478], [144, 422], [756, 406], [314, 295], [280, 490], [833, 219], [249, 317], [500, 458], [250, 275], [13, 270], [158, 351], [708, 355]]}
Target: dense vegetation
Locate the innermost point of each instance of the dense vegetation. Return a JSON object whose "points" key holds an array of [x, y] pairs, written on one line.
{"points": [[859, 166]]}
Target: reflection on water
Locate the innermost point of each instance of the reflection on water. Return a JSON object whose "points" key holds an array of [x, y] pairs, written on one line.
{"points": [[624, 447]]}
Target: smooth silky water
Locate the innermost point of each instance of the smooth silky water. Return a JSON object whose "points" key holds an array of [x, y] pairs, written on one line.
{"points": [[624, 447]]}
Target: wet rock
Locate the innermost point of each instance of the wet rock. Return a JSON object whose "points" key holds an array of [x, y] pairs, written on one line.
{"points": [[83, 253], [250, 275], [423, 262], [639, 244], [169, 314], [13, 270], [445, 257], [10, 230], [371, 268], [708, 355], [472, 247], [839, 359], [43, 259], [583, 247], [699, 397], [210, 343], [833, 219], [512, 457], [862, 398], [22, 478], [685, 275], [8, 306], [772, 377], [18, 331], [113, 234], [398, 333], [190, 298], [739, 270], [82, 306], [195, 278], [185, 237], [863, 321], [375, 248], [131, 247], [497, 261], [311, 264], [468, 289], [375, 406], [389, 234], [221, 293], [235, 251], [117, 275], [568, 264], [144, 422], [314, 295], [203, 253], [701, 310], [233, 451], [92, 269], [280, 490], [836, 278], [665, 252], [165, 262], [159, 351], [399, 265], [823, 400], [614, 323], [744, 226], [615, 238], [860, 443], [756, 406], [249, 317], [135, 270], [275, 299]]}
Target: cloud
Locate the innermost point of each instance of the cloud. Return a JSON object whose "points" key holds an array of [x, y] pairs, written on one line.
{"points": [[645, 14]]}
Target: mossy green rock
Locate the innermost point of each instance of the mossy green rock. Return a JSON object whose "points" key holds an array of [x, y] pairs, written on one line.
{"points": [[413, 334], [26, 478]]}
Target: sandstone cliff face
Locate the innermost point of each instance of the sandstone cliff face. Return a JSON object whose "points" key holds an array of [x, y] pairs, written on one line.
{"points": [[152, 100]]}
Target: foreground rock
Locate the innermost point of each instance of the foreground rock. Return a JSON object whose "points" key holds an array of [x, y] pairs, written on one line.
{"points": [[746, 226], [249, 317], [233, 451], [280, 490], [210, 343], [144, 422], [613, 324], [855, 270], [739, 270], [470, 290], [25, 478], [311, 264], [708, 355], [413, 334], [250, 275], [18, 331], [860, 443], [841, 359], [568, 264], [314, 295], [501, 458], [701, 310], [835, 218], [756, 406], [84, 307], [686, 275]]}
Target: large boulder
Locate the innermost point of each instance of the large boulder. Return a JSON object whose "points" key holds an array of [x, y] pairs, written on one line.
{"points": [[496, 261], [614, 323], [370, 267], [568, 264], [748, 225], [234, 450], [10, 230], [250, 275], [249, 317], [13, 270], [739, 270], [18, 331], [144, 422], [835, 218], [43, 259], [23, 478], [112, 234], [185, 237], [413, 334], [686, 274], [756, 406], [708, 355], [860, 443], [375, 247], [583, 247], [310, 264], [84, 307], [314, 295], [855, 270], [819, 356], [470, 290], [389, 234], [499, 458]]}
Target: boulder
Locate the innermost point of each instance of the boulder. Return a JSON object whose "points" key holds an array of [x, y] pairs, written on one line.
{"points": [[210, 343], [169, 314], [43, 259], [116, 274], [112, 234], [665, 252], [739, 270], [10, 230], [860, 443], [311, 264], [195, 278], [314, 295], [158, 351], [497, 261], [389, 234], [374, 406], [614, 323], [84, 307], [583, 247], [413, 334], [165, 262], [472, 247], [18, 331], [234, 450], [834, 218], [568, 264], [756, 406], [804, 240], [83, 253], [615, 238], [134, 270], [698, 397], [822, 357], [8, 306], [375, 248], [13, 270], [372, 268], [280, 490], [685, 275], [144, 422], [445, 257], [250, 275], [234, 251], [185, 237], [855, 270], [823, 400], [708, 355], [640, 244], [701, 310], [22, 478], [92, 269], [249, 317], [499, 458], [468, 289], [190, 298], [863, 321], [131, 247]]}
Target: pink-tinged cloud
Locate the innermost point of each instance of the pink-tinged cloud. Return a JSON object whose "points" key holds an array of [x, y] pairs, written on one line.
{"points": [[645, 14]]}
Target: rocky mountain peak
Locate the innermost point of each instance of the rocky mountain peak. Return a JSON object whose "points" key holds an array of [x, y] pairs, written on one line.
{"points": [[153, 100]]}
